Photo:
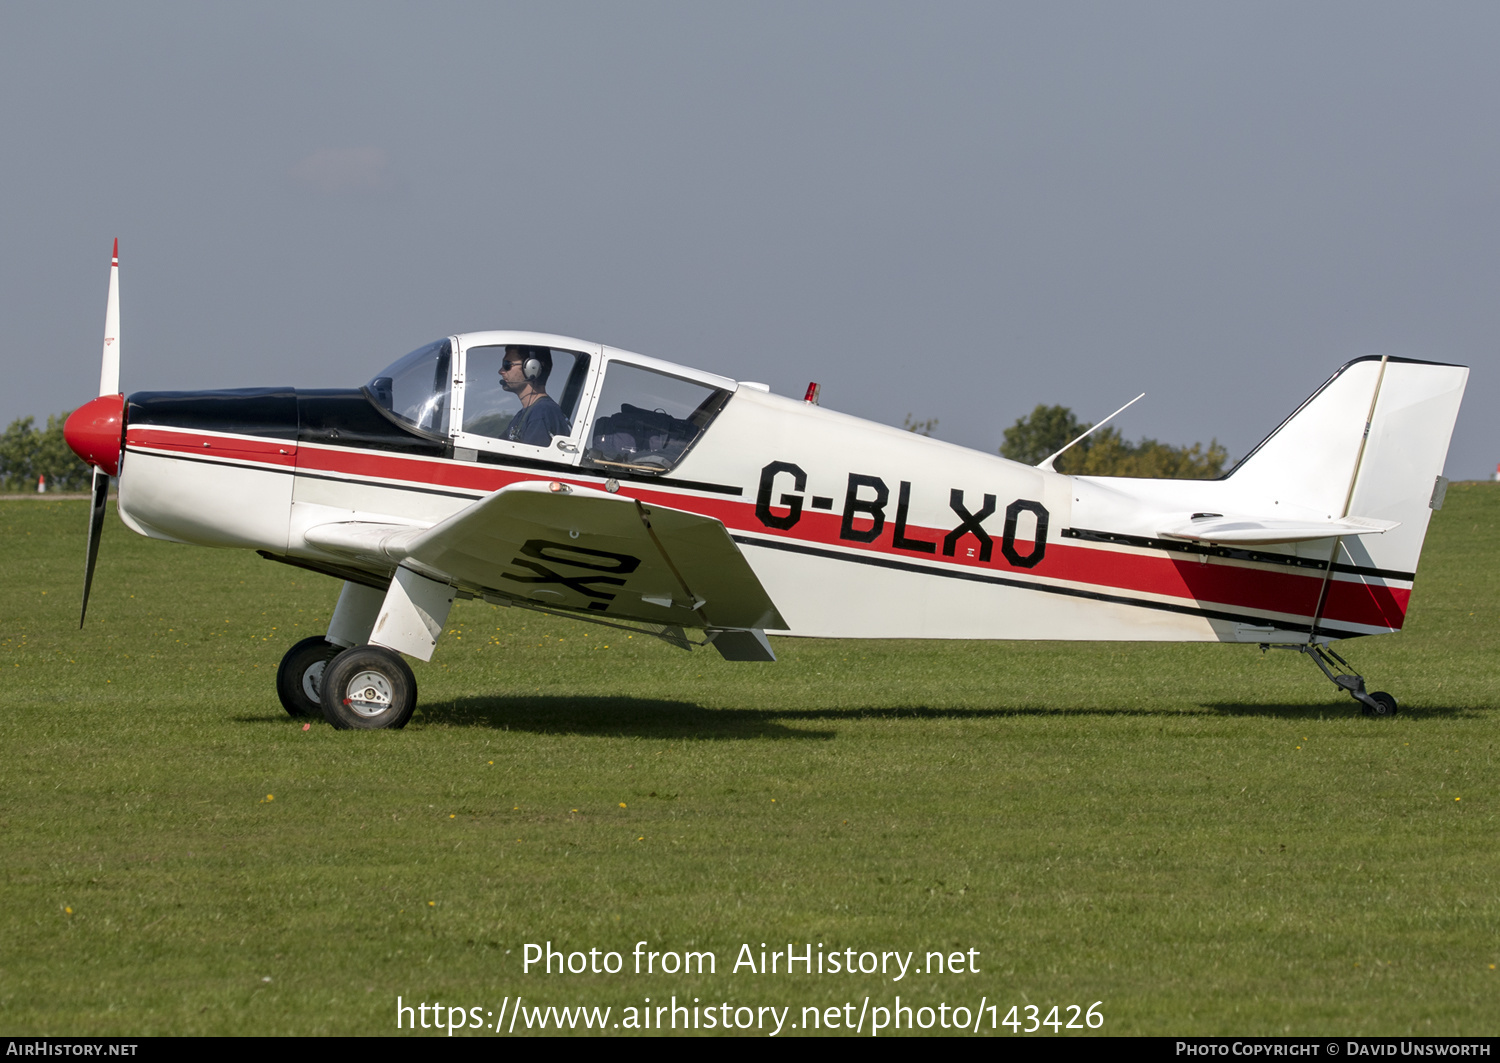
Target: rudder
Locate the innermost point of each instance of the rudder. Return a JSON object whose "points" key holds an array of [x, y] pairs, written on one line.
{"points": [[1323, 462]]}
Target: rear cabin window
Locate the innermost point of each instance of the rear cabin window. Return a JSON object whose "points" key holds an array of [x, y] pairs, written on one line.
{"points": [[647, 421]]}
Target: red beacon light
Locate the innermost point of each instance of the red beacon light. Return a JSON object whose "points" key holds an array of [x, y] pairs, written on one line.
{"points": [[813, 389]]}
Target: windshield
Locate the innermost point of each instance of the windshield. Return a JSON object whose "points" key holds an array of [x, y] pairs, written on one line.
{"points": [[415, 389]]}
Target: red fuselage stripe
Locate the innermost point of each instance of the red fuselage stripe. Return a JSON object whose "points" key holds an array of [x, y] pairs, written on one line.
{"points": [[1195, 578], [279, 452]]}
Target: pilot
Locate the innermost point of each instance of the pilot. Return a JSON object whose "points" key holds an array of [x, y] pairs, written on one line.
{"points": [[524, 372]]}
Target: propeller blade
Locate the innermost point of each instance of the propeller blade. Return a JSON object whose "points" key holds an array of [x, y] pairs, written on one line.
{"points": [[109, 384], [109, 369], [96, 526]]}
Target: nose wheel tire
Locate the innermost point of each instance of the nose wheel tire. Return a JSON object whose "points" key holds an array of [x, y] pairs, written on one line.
{"points": [[1384, 705], [366, 688], [299, 678]]}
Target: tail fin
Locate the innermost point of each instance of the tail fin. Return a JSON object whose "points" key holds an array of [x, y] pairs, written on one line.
{"points": [[1370, 444]]}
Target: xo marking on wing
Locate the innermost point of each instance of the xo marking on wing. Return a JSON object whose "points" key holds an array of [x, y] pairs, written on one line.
{"points": [[546, 550]]}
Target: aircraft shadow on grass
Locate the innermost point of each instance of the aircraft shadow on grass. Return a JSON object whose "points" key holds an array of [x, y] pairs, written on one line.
{"points": [[1334, 710], [660, 718], [618, 716]]}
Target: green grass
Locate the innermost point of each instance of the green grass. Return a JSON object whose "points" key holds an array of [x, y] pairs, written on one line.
{"points": [[1206, 839]]}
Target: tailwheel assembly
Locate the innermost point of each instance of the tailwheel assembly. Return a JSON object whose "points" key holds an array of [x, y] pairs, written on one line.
{"points": [[1341, 673]]}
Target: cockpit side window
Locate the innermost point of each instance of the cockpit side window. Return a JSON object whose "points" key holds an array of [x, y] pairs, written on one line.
{"points": [[648, 420], [415, 388], [493, 408]]}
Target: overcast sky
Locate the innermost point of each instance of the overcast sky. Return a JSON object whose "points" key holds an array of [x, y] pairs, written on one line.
{"points": [[950, 210]]}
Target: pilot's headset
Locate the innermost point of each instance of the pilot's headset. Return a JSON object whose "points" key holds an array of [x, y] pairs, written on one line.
{"points": [[534, 368]]}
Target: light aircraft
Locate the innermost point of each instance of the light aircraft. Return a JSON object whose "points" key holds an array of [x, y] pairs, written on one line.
{"points": [[664, 499]]}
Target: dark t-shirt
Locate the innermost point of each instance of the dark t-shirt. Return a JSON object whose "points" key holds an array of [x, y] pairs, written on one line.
{"points": [[538, 423]]}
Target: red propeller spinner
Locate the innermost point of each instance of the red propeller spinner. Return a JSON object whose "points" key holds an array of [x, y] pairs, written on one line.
{"points": [[96, 432]]}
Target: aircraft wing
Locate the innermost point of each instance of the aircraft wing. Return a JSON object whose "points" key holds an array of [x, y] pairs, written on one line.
{"points": [[577, 548], [1252, 531]]}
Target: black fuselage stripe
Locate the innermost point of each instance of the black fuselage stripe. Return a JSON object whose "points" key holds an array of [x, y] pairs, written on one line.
{"points": [[1374, 573], [1175, 546], [255, 466], [1070, 592], [488, 458], [523, 465], [252, 464], [471, 495]]}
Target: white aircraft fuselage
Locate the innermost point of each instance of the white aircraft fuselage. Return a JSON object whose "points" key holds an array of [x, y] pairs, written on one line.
{"points": [[852, 529]]}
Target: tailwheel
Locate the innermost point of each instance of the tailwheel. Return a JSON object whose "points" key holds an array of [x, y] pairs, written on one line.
{"points": [[1380, 704], [299, 678], [366, 688]]}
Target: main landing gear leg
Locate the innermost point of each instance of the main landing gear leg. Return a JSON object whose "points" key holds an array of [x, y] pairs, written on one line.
{"points": [[299, 679], [1339, 671], [371, 686]]}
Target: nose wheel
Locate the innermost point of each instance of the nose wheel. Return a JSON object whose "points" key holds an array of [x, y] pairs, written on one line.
{"points": [[367, 688]]}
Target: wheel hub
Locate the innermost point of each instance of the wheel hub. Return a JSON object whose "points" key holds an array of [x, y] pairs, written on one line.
{"points": [[312, 681], [368, 693]]}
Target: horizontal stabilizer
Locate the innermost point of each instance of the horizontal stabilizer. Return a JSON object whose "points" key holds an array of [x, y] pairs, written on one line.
{"points": [[1251, 531]]}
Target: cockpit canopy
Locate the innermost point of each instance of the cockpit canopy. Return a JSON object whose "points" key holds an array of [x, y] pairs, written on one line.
{"points": [[610, 410]]}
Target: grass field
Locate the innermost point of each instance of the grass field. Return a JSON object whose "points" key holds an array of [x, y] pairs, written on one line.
{"points": [[1203, 838]]}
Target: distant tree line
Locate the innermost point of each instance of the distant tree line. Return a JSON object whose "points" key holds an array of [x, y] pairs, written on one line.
{"points": [[27, 452], [1047, 429], [921, 428]]}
